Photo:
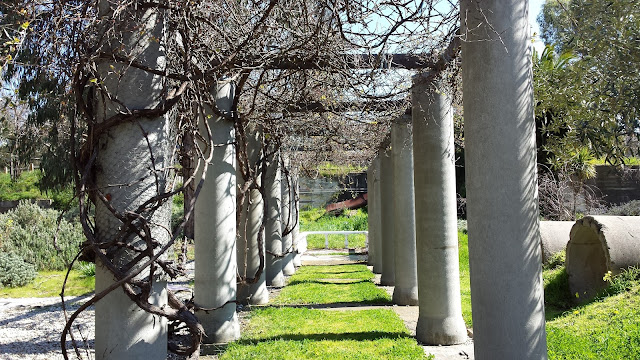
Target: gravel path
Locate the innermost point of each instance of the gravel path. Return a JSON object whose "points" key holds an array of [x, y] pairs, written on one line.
{"points": [[30, 328]]}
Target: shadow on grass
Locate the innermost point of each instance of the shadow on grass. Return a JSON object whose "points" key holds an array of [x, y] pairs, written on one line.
{"points": [[329, 281], [558, 300], [357, 336]]}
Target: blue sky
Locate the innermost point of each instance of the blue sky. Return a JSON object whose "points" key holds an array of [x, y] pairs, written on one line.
{"points": [[534, 9]]}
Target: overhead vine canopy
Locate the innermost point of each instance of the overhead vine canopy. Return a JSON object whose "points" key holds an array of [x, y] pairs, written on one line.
{"points": [[318, 77]]}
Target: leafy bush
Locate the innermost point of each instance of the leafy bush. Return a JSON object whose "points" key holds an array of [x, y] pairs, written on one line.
{"points": [[632, 208], [25, 187], [29, 232], [87, 269], [622, 282], [14, 271]]}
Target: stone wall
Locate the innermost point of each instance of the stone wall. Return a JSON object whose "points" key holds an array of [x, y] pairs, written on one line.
{"points": [[616, 185]]}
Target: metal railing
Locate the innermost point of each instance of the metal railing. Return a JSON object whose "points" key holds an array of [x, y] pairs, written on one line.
{"points": [[302, 238]]}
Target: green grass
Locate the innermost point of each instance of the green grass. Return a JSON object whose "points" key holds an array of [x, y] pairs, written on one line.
{"points": [[318, 220], [299, 333], [25, 186], [336, 241], [49, 284], [331, 170], [331, 284], [465, 280], [604, 329]]}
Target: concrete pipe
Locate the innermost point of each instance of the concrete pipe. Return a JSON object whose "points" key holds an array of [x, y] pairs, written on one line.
{"points": [[554, 236], [599, 244]]}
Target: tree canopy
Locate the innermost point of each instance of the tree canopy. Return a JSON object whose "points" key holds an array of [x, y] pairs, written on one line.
{"points": [[589, 91]]}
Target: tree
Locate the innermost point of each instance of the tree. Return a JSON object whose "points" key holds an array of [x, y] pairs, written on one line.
{"points": [[599, 100]]}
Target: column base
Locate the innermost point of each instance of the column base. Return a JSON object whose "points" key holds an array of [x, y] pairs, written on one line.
{"points": [[221, 326], [441, 331], [405, 296]]}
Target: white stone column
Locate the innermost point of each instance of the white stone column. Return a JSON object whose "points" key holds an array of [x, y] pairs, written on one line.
{"points": [[440, 321], [406, 274], [273, 230], [248, 248], [297, 258], [386, 219], [501, 182], [370, 218], [287, 222], [123, 330], [215, 228], [377, 219]]}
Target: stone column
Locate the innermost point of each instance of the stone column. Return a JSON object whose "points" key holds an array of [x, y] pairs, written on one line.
{"points": [[273, 230], [371, 211], [501, 182], [386, 218], [377, 223], [287, 223], [297, 260], [215, 228], [440, 321], [123, 330], [406, 274], [248, 248]]}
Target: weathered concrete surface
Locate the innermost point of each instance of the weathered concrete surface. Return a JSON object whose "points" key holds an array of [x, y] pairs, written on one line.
{"points": [[375, 218], [554, 236], [404, 226], [248, 249], [371, 250], [285, 217], [501, 181], [273, 230], [123, 330], [599, 244], [440, 319], [386, 218], [215, 230]]}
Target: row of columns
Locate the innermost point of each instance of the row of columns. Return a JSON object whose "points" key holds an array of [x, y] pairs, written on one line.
{"points": [[506, 282], [418, 235], [409, 223]]}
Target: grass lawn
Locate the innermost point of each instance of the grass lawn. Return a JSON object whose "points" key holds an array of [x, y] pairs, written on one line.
{"points": [[49, 283], [604, 329], [319, 220], [332, 284], [356, 241], [299, 333]]}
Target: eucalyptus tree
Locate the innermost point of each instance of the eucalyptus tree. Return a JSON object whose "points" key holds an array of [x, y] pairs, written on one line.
{"points": [[600, 87]]}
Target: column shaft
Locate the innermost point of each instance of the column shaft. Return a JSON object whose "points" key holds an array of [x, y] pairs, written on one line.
{"points": [[501, 182], [215, 229], [406, 274], [123, 330], [386, 213], [377, 219], [287, 223], [273, 230], [440, 321], [248, 247]]}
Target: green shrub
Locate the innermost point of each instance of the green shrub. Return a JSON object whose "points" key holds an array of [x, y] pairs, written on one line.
{"points": [[622, 282], [14, 271], [25, 187], [29, 232], [87, 269], [632, 208]]}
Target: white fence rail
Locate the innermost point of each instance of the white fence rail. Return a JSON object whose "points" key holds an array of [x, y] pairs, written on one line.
{"points": [[302, 238]]}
